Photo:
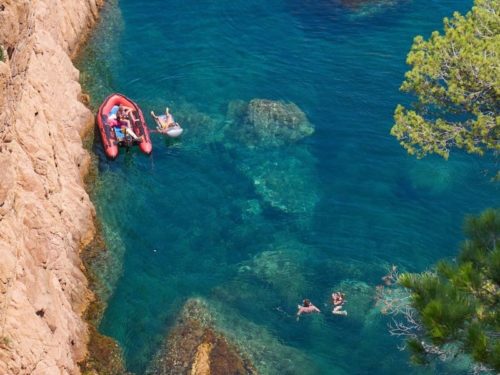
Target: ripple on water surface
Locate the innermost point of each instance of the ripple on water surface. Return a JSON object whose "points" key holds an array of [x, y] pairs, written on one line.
{"points": [[254, 230]]}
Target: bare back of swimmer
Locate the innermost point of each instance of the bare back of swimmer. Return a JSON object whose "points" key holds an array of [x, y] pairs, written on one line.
{"points": [[306, 308]]}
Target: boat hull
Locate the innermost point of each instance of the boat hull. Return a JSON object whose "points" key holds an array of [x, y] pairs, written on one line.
{"points": [[111, 143]]}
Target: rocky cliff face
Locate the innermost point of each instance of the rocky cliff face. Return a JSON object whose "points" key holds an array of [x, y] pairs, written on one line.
{"points": [[45, 214]]}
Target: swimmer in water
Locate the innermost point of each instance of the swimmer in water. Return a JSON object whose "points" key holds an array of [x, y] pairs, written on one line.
{"points": [[306, 308], [338, 300]]}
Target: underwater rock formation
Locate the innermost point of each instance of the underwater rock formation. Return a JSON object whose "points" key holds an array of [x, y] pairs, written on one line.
{"points": [[216, 324], [282, 267], [286, 182], [268, 123], [284, 177], [358, 4], [194, 346]]}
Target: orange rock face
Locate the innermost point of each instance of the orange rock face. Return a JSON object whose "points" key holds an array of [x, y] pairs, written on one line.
{"points": [[45, 214]]}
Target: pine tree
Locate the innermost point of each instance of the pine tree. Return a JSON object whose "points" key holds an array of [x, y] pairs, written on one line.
{"points": [[456, 79], [459, 302]]}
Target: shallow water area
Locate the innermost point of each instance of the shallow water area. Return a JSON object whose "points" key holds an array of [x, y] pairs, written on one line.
{"points": [[255, 229]]}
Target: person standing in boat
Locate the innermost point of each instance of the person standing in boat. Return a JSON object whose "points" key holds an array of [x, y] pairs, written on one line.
{"points": [[165, 121], [124, 116]]}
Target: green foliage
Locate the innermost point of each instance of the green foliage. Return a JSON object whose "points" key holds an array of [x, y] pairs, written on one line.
{"points": [[455, 77], [459, 302], [1, 53], [418, 355]]}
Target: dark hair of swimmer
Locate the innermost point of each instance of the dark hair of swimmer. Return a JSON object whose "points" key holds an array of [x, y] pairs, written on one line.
{"points": [[306, 303]]}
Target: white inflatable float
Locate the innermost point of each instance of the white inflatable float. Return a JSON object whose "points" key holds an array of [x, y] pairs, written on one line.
{"points": [[173, 130]]}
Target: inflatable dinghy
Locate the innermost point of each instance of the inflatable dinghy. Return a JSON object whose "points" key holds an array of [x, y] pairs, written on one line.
{"points": [[111, 134]]}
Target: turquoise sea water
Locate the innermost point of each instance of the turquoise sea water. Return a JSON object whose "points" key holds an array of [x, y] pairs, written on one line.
{"points": [[253, 231]]}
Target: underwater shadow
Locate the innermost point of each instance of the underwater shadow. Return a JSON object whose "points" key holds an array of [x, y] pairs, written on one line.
{"points": [[333, 19]]}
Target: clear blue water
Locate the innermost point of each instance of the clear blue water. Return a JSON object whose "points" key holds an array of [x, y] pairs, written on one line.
{"points": [[192, 219]]}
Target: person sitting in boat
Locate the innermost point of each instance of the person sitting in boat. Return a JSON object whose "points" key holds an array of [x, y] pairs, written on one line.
{"points": [[306, 308], [124, 117], [338, 300], [164, 122]]}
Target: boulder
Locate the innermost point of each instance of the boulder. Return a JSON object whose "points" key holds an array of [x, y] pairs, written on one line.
{"points": [[194, 346], [282, 270], [268, 123], [286, 182], [211, 335]]}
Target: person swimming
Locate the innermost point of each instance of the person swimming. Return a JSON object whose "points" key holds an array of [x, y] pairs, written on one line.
{"points": [[338, 300], [306, 308]]}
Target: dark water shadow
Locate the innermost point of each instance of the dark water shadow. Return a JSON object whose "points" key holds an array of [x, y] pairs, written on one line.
{"points": [[333, 19]]}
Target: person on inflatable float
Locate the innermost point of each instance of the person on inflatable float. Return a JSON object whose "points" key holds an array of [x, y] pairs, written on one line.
{"points": [[164, 121]]}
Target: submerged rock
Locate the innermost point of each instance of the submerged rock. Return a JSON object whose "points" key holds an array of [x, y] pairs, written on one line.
{"points": [[250, 209], [208, 332], [286, 182], [194, 346], [284, 178], [268, 123], [282, 269], [358, 4]]}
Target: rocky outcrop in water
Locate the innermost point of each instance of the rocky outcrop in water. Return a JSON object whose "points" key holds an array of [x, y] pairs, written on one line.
{"points": [[286, 181], [265, 123], [284, 177], [195, 347], [249, 347], [45, 214]]}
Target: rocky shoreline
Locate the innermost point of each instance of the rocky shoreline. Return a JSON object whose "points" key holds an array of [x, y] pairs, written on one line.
{"points": [[46, 216]]}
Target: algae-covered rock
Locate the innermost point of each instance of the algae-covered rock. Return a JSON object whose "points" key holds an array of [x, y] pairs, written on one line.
{"points": [[266, 351], [287, 183], [282, 269], [250, 209], [284, 178], [211, 335], [195, 347], [104, 356], [263, 122], [278, 276]]}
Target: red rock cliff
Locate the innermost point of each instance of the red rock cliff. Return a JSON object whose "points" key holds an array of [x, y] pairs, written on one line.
{"points": [[45, 214]]}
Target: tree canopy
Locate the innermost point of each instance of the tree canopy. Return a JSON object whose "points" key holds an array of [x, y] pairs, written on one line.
{"points": [[459, 302], [456, 79]]}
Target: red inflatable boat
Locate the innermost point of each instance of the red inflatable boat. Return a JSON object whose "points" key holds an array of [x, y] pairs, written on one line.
{"points": [[111, 132]]}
